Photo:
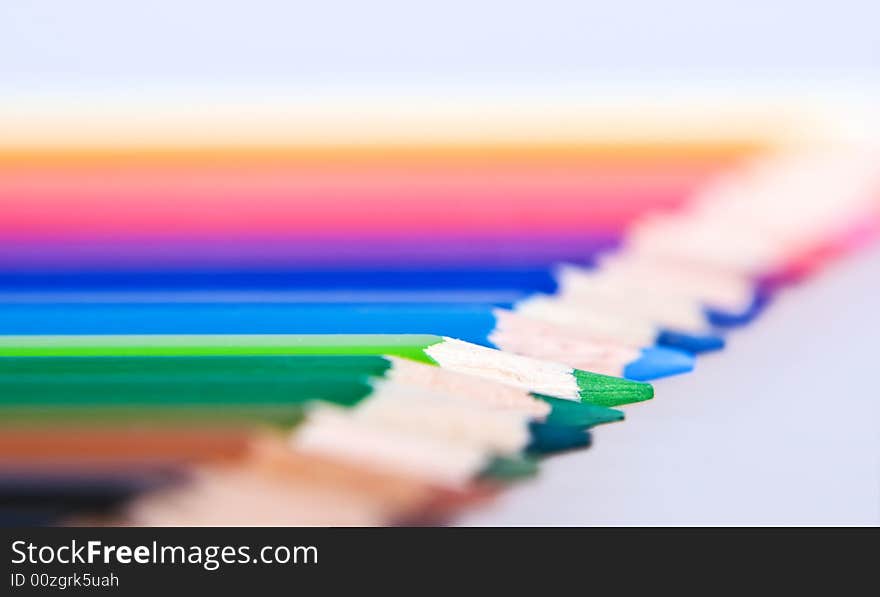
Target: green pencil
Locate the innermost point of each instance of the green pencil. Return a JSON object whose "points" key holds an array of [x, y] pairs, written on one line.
{"points": [[39, 370], [540, 377], [268, 389]]}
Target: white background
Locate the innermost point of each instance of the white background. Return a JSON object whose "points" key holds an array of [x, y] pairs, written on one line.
{"points": [[44, 42]]}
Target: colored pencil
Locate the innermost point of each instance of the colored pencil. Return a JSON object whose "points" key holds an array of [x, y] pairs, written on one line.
{"points": [[97, 486], [282, 252], [541, 377], [342, 493], [238, 393], [478, 324], [48, 496], [818, 194], [396, 370], [336, 204], [621, 315]]}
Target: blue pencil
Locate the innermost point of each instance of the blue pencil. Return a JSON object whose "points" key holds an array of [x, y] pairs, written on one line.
{"points": [[496, 285]]}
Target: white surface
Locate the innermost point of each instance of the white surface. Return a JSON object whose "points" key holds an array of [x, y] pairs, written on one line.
{"points": [[783, 427], [47, 42]]}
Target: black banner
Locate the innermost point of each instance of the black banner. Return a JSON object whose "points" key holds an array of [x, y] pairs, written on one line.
{"points": [[127, 561]]}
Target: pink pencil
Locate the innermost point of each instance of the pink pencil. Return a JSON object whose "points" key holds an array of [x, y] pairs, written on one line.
{"points": [[196, 204]]}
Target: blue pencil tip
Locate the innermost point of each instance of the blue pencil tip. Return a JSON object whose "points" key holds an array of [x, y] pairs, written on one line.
{"points": [[657, 362], [693, 343], [721, 318]]}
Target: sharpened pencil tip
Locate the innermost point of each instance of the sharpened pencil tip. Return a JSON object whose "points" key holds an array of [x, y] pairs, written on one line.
{"points": [[693, 343], [511, 468], [606, 390], [548, 438], [657, 361], [723, 318], [579, 414]]}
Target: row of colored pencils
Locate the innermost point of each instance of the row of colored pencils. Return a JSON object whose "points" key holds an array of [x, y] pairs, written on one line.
{"points": [[367, 332]]}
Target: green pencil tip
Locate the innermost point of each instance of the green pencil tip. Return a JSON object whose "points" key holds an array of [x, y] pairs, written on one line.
{"points": [[548, 438], [578, 414], [605, 390], [511, 468]]}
